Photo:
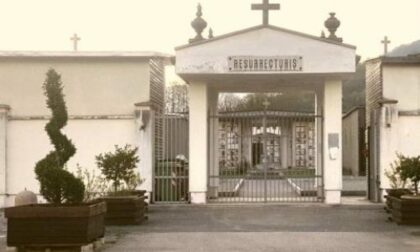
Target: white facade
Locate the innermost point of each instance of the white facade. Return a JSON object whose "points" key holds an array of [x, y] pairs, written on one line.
{"points": [[396, 118], [101, 90], [205, 66]]}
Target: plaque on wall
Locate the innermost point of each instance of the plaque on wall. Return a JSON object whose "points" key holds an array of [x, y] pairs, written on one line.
{"points": [[265, 63]]}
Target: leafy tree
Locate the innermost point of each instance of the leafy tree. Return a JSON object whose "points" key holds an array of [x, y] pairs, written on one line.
{"points": [[294, 102], [119, 166], [176, 98], [394, 174], [57, 184], [410, 170], [354, 89], [229, 102]]}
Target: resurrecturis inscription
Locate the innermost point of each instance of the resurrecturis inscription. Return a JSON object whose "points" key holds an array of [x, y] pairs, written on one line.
{"points": [[265, 64]]}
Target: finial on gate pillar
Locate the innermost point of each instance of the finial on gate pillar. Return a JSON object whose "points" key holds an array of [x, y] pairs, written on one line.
{"points": [[332, 24], [199, 24]]}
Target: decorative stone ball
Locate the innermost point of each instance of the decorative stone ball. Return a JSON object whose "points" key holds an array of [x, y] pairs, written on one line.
{"points": [[25, 198]]}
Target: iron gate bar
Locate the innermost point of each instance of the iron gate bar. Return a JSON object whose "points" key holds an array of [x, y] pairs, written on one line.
{"points": [[171, 172]]}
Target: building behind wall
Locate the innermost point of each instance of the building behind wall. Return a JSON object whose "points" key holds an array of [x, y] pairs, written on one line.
{"points": [[393, 115], [354, 161], [111, 99]]}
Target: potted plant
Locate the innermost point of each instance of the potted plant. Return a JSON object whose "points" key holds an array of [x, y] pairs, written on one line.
{"points": [[398, 183], [125, 205], [406, 208], [66, 221]]}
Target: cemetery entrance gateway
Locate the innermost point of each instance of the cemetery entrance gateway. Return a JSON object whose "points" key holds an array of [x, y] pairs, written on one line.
{"points": [[264, 58], [264, 156]]}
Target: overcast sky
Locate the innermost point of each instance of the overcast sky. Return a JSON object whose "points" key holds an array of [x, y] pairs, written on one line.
{"points": [[160, 25]]}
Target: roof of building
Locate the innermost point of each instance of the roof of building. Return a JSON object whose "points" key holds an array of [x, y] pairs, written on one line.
{"points": [[259, 27], [83, 54], [354, 109], [410, 59]]}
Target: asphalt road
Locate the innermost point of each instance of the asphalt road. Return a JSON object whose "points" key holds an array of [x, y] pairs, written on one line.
{"points": [[306, 227]]}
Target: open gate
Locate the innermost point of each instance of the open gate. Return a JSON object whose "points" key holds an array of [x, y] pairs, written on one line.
{"points": [[265, 156], [171, 158]]}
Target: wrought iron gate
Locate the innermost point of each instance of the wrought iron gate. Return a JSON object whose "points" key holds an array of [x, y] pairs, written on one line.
{"points": [[265, 156], [171, 158]]}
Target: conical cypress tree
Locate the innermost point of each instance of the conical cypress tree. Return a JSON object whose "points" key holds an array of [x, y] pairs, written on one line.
{"points": [[57, 184]]}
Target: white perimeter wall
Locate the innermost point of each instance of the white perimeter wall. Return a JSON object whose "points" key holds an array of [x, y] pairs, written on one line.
{"points": [[91, 86], [402, 83], [27, 143], [404, 137]]}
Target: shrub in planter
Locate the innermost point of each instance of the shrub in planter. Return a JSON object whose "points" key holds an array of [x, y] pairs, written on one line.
{"points": [[406, 209], [66, 221], [125, 205], [398, 183]]}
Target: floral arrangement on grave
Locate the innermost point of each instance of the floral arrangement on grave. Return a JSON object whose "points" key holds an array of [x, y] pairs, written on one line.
{"points": [[410, 170], [118, 167], [58, 185]]}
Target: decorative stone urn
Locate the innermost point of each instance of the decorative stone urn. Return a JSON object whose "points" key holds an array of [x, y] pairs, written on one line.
{"points": [[332, 24], [199, 24]]}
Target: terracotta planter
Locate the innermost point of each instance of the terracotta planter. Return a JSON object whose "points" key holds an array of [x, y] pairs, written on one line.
{"points": [[46, 225], [125, 210], [406, 211]]}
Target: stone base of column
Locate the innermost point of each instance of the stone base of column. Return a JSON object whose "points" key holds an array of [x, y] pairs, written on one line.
{"points": [[198, 197], [333, 197]]}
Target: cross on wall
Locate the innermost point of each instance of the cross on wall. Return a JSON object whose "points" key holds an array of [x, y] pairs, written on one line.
{"points": [[265, 7]]}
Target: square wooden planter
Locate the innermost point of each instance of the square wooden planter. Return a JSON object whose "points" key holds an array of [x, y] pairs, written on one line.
{"points": [[125, 210], [405, 211], [396, 193], [46, 225]]}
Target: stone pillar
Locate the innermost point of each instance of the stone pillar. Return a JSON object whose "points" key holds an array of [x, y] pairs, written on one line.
{"points": [[332, 155], [213, 96], [198, 166], [145, 132], [4, 112]]}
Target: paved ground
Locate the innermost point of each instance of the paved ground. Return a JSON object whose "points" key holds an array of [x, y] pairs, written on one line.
{"points": [[265, 228], [254, 188]]}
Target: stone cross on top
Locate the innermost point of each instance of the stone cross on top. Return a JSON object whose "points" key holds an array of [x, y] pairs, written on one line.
{"points": [[75, 40], [266, 6], [386, 42]]}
